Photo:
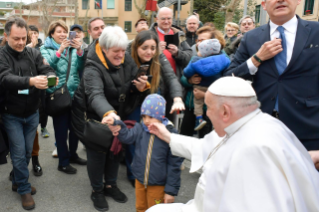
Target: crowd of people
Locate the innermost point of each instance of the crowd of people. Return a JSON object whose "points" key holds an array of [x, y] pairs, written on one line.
{"points": [[120, 98]]}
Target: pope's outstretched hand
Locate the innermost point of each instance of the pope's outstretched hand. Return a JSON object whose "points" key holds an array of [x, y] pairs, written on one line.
{"points": [[160, 131]]}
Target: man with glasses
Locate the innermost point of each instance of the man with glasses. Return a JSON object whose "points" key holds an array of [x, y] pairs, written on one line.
{"points": [[178, 56], [140, 25]]}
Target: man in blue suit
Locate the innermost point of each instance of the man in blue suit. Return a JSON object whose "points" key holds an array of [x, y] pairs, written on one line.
{"points": [[282, 60]]}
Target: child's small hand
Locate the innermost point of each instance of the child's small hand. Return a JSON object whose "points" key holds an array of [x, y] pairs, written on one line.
{"points": [[115, 129], [168, 198]]}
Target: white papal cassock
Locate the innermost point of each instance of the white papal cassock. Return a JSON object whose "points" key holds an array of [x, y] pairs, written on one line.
{"points": [[260, 167]]}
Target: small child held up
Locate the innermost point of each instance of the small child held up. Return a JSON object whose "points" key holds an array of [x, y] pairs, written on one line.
{"points": [[208, 64], [156, 170]]}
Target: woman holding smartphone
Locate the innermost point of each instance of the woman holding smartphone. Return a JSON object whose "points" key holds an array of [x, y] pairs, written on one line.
{"points": [[56, 50], [146, 54]]}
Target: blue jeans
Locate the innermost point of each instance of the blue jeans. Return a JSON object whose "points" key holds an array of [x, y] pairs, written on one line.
{"points": [[21, 133], [63, 129]]}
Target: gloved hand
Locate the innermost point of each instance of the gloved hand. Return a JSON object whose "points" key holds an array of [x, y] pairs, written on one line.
{"points": [[178, 105]]}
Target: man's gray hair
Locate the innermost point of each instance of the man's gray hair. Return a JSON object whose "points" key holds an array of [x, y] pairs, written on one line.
{"points": [[240, 105], [192, 16], [164, 8], [113, 36], [20, 22], [93, 19], [246, 16]]}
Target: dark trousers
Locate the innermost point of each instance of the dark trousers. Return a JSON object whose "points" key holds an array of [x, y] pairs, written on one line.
{"points": [[63, 130], [188, 124], [43, 117], [99, 164]]}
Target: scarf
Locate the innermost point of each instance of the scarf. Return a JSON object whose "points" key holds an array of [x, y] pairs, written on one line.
{"points": [[57, 46]]}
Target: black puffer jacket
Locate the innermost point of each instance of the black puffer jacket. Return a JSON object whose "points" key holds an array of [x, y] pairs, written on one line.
{"points": [[184, 50], [100, 89], [16, 69], [191, 37]]}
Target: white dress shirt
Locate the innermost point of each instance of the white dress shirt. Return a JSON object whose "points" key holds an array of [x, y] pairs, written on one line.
{"points": [[290, 34]]}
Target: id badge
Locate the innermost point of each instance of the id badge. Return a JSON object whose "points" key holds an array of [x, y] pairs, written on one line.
{"points": [[24, 92]]}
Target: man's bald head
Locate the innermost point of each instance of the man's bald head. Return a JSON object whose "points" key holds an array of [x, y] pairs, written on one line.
{"points": [[192, 23], [165, 18]]}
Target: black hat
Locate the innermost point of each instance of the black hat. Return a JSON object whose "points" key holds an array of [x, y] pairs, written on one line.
{"points": [[76, 26]]}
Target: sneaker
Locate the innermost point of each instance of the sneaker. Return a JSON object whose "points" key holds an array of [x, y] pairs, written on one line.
{"points": [[115, 193], [99, 201], [45, 133], [200, 123], [55, 153], [67, 169], [78, 160], [37, 169]]}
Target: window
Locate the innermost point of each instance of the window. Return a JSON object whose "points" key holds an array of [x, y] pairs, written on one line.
{"points": [[85, 4], [110, 4], [308, 7], [128, 5], [257, 13], [97, 4], [128, 26], [9, 5]]}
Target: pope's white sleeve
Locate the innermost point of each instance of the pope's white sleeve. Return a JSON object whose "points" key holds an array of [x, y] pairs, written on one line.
{"points": [[255, 182], [182, 145]]}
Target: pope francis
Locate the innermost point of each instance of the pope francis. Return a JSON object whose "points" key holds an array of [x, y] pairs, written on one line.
{"points": [[251, 162]]}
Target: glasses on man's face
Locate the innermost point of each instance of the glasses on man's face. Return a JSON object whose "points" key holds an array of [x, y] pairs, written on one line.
{"points": [[231, 30], [244, 23], [164, 19], [77, 31]]}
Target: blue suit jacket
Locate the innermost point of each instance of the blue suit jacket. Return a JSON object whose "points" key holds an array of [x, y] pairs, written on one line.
{"points": [[297, 88]]}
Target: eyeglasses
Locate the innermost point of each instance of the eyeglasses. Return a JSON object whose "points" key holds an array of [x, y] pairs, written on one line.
{"points": [[77, 31], [230, 30], [246, 23], [164, 19]]}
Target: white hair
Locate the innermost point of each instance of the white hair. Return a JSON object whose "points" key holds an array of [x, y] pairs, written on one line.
{"points": [[192, 16], [113, 36], [162, 9], [240, 105]]}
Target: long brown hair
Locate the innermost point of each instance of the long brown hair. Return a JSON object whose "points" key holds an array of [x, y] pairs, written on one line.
{"points": [[155, 66]]}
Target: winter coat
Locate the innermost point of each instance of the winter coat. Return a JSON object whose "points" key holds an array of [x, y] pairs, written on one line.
{"points": [[228, 48], [100, 88], [191, 37], [16, 69], [164, 168], [184, 51], [60, 65], [209, 68], [38, 46]]}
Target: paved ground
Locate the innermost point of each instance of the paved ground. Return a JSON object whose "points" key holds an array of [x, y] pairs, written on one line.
{"points": [[57, 191]]}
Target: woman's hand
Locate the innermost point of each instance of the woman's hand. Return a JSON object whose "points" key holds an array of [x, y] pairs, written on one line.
{"points": [[109, 120], [77, 45], [195, 79], [168, 198], [178, 105], [140, 83], [65, 43], [198, 94]]}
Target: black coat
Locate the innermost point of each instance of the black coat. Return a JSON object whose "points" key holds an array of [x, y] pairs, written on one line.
{"points": [[297, 87], [100, 89], [191, 38], [16, 69]]}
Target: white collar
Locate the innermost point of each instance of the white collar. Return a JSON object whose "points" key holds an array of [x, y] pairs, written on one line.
{"points": [[290, 26], [240, 122]]}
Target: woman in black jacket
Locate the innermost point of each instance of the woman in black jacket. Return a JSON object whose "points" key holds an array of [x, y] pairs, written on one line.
{"points": [[106, 83], [145, 52]]}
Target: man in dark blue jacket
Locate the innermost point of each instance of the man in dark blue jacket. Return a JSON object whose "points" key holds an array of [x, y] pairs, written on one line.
{"points": [[281, 58]]}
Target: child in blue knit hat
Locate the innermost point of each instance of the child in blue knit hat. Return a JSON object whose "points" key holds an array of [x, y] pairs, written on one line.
{"points": [[156, 170]]}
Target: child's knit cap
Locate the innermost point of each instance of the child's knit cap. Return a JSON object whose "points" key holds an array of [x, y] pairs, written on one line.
{"points": [[209, 47], [154, 105]]}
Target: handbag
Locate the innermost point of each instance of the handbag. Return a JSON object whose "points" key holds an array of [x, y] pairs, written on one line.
{"points": [[97, 133], [60, 100]]}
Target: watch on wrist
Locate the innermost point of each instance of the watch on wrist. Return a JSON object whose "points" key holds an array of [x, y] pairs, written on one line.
{"points": [[257, 58]]}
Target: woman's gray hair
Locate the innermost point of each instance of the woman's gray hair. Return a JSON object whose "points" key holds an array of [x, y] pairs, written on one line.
{"points": [[113, 36]]}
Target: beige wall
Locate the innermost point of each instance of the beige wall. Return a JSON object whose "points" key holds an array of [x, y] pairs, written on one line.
{"points": [[97, 12]]}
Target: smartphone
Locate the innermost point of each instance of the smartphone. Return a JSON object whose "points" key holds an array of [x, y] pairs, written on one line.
{"points": [[51, 81], [142, 70], [194, 10], [149, 78], [72, 35]]}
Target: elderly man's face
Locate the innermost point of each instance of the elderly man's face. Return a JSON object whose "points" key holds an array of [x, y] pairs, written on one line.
{"points": [[165, 20], [192, 24], [246, 25], [215, 113], [280, 11], [115, 55]]}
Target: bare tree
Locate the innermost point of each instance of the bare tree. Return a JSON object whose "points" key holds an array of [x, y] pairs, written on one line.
{"points": [[140, 6], [47, 8], [230, 10]]}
